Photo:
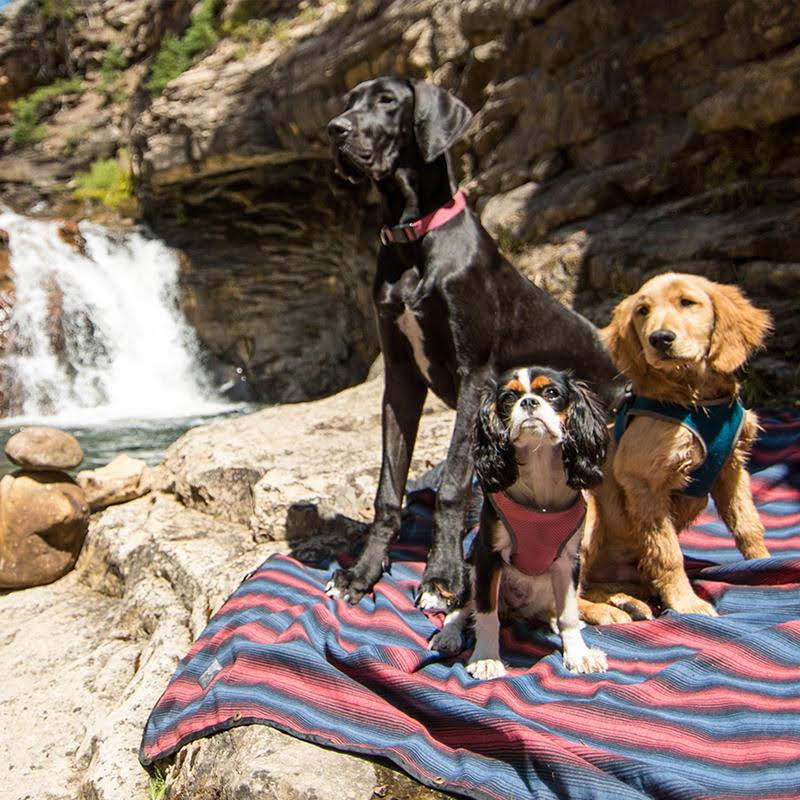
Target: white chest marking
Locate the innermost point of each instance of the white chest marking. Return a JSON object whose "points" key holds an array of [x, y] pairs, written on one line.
{"points": [[408, 324]]}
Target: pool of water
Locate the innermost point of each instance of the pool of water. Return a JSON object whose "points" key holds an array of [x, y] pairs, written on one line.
{"points": [[146, 439]]}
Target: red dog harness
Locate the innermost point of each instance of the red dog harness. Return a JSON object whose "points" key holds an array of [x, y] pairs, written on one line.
{"points": [[411, 231], [538, 537]]}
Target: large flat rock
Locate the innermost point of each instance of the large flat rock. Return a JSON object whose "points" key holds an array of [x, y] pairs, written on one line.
{"points": [[85, 659]]}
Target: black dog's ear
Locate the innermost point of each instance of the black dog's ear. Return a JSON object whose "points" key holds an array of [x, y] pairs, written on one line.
{"points": [[586, 438], [439, 119], [495, 459]]}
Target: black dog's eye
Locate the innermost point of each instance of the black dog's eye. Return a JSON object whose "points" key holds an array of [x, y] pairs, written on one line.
{"points": [[387, 99], [686, 302], [642, 311]]}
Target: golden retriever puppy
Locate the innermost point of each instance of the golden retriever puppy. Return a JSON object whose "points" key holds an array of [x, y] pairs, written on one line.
{"points": [[683, 435]]}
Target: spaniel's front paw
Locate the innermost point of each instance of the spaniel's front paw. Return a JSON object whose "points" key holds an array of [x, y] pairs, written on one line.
{"points": [[589, 660], [486, 668], [447, 641]]}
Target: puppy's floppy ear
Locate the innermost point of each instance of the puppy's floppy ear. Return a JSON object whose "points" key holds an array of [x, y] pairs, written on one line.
{"points": [[439, 119], [495, 459], [739, 327], [583, 449], [623, 342]]}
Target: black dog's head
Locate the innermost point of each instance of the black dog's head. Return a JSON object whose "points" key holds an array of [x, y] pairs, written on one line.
{"points": [[385, 118], [536, 403]]}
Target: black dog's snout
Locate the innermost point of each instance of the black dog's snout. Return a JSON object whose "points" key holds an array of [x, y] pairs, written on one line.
{"points": [[662, 339], [339, 128], [529, 403]]}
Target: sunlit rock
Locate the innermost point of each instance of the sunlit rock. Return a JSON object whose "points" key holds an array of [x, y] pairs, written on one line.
{"points": [[117, 482], [44, 448], [44, 517]]}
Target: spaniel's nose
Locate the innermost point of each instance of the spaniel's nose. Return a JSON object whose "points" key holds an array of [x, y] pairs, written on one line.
{"points": [[339, 128], [662, 340], [529, 403]]}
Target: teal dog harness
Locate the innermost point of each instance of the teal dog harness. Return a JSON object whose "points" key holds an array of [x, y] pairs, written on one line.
{"points": [[716, 426]]}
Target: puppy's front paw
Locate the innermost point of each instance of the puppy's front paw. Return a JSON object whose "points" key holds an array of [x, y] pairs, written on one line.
{"points": [[448, 642], [603, 614], [486, 668], [347, 586], [589, 660], [693, 605]]}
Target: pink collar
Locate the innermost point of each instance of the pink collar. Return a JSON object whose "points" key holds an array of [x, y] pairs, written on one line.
{"points": [[537, 537], [411, 231]]}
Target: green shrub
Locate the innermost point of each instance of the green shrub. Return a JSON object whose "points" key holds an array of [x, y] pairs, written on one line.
{"points": [[114, 63], [107, 180], [176, 54], [25, 110], [58, 10]]}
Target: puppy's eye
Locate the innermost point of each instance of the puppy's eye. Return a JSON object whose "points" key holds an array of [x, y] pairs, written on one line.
{"points": [[686, 302], [550, 393], [386, 99], [642, 311]]}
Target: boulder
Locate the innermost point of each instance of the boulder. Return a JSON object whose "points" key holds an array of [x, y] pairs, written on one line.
{"points": [[44, 517], [121, 480], [44, 448]]}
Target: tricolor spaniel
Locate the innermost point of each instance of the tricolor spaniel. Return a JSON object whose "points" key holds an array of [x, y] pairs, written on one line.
{"points": [[540, 439]]}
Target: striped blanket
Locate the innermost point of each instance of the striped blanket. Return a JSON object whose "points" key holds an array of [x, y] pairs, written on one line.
{"points": [[691, 707]]}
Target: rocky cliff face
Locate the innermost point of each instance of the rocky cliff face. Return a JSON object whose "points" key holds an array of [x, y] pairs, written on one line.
{"points": [[610, 141]]}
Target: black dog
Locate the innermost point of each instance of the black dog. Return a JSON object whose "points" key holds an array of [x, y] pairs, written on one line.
{"points": [[452, 313]]}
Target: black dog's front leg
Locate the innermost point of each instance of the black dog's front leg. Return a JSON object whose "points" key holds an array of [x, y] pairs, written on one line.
{"points": [[403, 398], [442, 585]]}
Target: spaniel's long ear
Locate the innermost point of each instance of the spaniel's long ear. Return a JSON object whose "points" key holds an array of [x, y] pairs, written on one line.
{"points": [[739, 327], [439, 119], [583, 449], [622, 341], [495, 460]]}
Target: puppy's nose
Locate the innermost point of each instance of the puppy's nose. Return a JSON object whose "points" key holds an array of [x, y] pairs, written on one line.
{"points": [[339, 128], [528, 403], [662, 339]]}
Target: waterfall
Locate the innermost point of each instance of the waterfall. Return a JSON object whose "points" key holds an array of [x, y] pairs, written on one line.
{"points": [[97, 335]]}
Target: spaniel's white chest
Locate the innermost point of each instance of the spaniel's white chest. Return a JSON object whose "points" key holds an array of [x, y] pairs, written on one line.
{"points": [[409, 326]]}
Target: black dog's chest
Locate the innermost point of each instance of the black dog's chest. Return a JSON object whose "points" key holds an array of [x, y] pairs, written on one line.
{"points": [[415, 317]]}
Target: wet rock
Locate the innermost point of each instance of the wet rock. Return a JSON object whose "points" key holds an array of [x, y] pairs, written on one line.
{"points": [[70, 234], [44, 448], [121, 480], [44, 517]]}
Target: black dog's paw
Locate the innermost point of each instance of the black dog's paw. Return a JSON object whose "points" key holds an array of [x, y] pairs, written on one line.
{"points": [[440, 593], [348, 586]]}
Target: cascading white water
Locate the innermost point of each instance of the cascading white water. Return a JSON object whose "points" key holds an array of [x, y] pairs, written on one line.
{"points": [[99, 337]]}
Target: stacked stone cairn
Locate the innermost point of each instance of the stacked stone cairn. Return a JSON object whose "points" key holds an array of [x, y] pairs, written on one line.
{"points": [[44, 512]]}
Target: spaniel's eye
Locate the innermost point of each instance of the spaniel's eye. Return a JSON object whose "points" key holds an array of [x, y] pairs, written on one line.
{"points": [[686, 302], [506, 398], [642, 311], [550, 393]]}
